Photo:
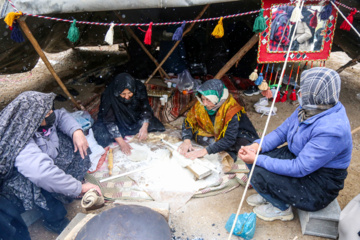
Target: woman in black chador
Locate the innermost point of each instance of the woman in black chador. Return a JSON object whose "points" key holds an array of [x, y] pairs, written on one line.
{"points": [[125, 110]]}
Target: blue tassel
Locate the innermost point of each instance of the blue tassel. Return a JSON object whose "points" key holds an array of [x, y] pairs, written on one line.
{"points": [[326, 12], [259, 80], [179, 32], [16, 34]]}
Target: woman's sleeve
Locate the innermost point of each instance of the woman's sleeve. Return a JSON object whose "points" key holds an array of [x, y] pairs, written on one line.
{"points": [[228, 140], [40, 169], [306, 35], [146, 111], [110, 123], [65, 122], [187, 132]]}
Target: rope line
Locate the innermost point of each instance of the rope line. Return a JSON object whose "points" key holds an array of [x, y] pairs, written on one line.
{"points": [[159, 24]]}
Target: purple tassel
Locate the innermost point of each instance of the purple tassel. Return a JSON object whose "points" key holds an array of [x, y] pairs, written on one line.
{"points": [[16, 34], [179, 32], [326, 12]]}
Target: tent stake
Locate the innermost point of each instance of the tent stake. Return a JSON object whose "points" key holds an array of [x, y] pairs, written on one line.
{"points": [[131, 32], [177, 43], [237, 57], [38, 49]]}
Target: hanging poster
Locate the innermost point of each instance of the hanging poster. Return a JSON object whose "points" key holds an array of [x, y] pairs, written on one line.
{"points": [[313, 36]]}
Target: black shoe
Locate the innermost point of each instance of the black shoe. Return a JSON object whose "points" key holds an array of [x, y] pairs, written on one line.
{"points": [[60, 98], [56, 227], [253, 90]]}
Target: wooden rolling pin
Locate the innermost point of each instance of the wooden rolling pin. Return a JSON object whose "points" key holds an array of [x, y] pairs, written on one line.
{"points": [[110, 161]]}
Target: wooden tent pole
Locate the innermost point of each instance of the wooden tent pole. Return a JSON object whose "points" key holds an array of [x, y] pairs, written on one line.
{"points": [[131, 32], [227, 66], [349, 64], [38, 49], [177, 43]]}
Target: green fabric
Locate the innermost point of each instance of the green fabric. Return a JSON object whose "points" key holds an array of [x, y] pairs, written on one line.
{"points": [[210, 112], [259, 24], [73, 34], [209, 93]]}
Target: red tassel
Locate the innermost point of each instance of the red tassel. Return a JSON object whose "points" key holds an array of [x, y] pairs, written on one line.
{"points": [[345, 26], [284, 97], [278, 97], [313, 20], [148, 34], [293, 95]]}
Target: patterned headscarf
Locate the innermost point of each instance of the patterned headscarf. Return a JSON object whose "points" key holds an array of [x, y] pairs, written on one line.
{"points": [[215, 91], [320, 90], [18, 122]]}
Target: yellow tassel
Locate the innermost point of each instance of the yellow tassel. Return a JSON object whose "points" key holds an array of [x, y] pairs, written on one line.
{"points": [[219, 29], [254, 75], [11, 17]]}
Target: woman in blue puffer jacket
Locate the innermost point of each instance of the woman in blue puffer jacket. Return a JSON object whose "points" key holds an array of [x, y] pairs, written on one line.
{"points": [[310, 170]]}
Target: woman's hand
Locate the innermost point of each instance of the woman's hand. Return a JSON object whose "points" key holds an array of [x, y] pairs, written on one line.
{"points": [[196, 154], [143, 132], [87, 186], [248, 153], [185, 147], [80, 143], [124, 146]]}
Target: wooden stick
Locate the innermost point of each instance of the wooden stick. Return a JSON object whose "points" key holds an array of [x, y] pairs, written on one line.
{"points": [[177, 43], [226, 67], [38, 49], [131, 32], [349, 64], [355, 130]]}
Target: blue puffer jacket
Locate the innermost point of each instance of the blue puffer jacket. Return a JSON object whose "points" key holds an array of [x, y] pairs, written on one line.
{"points": [[322, 141]]}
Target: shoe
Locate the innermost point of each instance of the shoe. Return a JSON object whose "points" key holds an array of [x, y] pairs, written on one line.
{"points": [[265, 110], [262, 102], [256, 200], [57, 227], [253, 90], [268, 212]]}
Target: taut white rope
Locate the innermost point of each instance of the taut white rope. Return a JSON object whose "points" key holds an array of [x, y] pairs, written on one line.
{"points": [[266, 125], [345, 18]]}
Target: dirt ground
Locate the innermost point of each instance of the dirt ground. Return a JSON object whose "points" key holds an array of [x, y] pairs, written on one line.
{"points": [[202, 218]]}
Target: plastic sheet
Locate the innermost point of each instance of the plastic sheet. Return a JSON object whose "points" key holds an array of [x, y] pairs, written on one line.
{"points": [[245, 225]]}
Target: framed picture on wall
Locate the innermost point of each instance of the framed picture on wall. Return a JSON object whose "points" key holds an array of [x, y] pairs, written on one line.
{"points": [[313, 36]]}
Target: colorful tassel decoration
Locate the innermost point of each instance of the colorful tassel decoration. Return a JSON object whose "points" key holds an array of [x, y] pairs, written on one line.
{"points": [[254, 75], [284, 97], [73, 34], [326, 12], [313, 20], [278, 97], [179, 32], [11, 17], [109, 37], [16, 34], [147, 39], [293, 95], [345, 25], [295, 16], [259, 80], [219, 29], [259, 24]]}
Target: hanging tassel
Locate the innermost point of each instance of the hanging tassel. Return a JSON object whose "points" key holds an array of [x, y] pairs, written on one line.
{"points": [[254, 75], [11, 17], [345, 26], [259, 80], [293, 95], [179, 32], [326, 12], [16, 34], [109, 37], [147, 39], [73, 34], [284, 97], [295, 16], [278, 97], [259, 24], [313, 20], [219, 29]]}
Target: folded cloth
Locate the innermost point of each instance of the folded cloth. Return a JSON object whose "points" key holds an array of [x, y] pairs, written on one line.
{"points": [[92, 200]]}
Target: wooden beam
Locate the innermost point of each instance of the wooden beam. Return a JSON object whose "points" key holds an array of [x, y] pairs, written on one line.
{"points": [[349, 64], [131, 32], [38, 49], [237, 57], [177, 43]]}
